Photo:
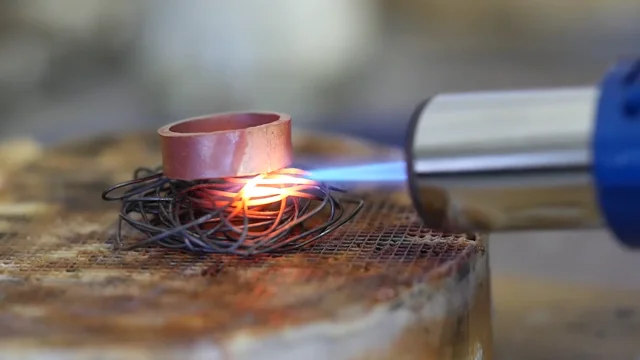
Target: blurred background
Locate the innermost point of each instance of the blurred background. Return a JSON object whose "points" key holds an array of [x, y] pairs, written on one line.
{"points": [[70, 68], [74, 68]]}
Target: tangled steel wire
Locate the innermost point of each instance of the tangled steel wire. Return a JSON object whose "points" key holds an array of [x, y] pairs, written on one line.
{"points": [[275, 212]]}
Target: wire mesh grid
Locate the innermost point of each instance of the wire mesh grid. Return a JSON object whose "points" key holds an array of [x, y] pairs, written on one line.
{"points": [[384, 234]]}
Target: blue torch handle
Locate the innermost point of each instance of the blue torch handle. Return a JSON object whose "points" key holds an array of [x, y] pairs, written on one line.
{"points": [[616, 151]]}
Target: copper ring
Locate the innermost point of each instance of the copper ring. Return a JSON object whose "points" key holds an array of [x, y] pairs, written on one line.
{"points": [[226, 145]]}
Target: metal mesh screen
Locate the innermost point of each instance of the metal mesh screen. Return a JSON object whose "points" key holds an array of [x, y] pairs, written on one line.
{"points": [[384, 234]]}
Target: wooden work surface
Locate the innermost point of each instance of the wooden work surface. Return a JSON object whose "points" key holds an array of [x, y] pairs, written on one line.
{"points": [[533, 319], [380, 287]]}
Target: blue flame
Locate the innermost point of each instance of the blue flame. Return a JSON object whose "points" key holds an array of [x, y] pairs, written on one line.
{"points": [[377, 172]]}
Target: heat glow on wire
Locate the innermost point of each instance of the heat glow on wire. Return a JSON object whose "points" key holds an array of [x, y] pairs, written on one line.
{"points": [[275, 212], [375, 172]]}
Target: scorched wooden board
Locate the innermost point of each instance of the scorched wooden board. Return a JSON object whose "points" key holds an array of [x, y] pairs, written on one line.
{"points": [[381, 287]]}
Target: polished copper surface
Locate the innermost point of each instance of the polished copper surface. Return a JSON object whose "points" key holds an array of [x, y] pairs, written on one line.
{"points": [[226, 145]]}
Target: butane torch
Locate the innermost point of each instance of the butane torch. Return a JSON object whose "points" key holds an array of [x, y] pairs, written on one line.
{"points": [[523, 160]]}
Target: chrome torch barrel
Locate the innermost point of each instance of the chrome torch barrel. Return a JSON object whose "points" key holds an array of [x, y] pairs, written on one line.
{"points": [[510, 160]]}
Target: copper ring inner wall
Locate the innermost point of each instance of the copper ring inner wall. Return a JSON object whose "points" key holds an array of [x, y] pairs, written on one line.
{"points": [[226, 145]]}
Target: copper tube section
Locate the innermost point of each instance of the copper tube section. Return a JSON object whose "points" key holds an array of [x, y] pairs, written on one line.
{"points": [[226, 145]]}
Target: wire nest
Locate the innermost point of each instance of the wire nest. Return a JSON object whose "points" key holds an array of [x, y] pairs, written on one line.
{"points": [[275, 212]]}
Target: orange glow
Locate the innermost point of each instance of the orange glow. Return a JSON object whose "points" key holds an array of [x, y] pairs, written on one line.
{"points": [[263, 189]]}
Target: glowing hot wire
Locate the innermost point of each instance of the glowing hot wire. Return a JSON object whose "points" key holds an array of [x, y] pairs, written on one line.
{"points": [[242, 215], [262, 189]]}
